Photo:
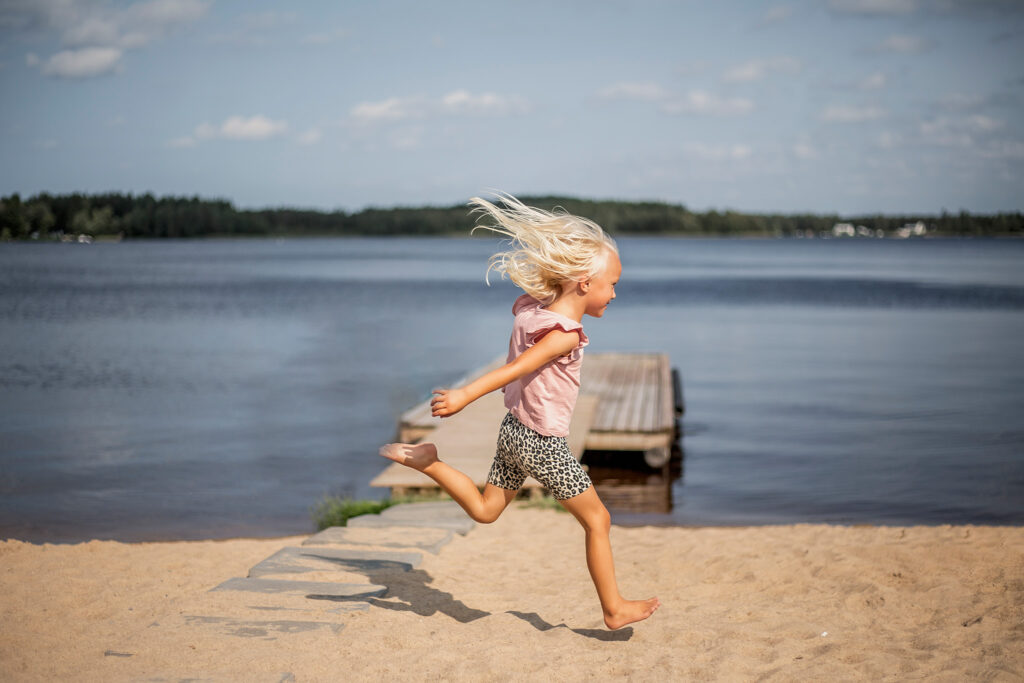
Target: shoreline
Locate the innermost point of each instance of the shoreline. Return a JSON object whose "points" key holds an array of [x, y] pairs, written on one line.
{"points": [[621, 525], [781, 602]]}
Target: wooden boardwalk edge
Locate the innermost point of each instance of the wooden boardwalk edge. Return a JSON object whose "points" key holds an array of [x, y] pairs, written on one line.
{"points": [[626, 403]]}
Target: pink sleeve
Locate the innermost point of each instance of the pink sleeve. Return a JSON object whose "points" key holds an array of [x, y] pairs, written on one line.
{"points": [[542, 325]]}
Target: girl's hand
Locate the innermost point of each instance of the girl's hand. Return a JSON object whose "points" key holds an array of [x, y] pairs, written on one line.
{"points": [[447, 402]]}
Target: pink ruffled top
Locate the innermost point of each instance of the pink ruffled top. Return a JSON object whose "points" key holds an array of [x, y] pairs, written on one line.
{"points": [[544, 399]]}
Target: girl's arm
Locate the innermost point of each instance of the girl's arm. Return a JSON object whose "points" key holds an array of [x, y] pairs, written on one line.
{"points": [[552, 345]]}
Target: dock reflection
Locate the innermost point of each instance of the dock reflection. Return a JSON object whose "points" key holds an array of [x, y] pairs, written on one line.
{"points": [[626, 483]]}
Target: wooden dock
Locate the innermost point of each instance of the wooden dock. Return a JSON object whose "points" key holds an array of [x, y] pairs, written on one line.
{"points": [[627, 402]]}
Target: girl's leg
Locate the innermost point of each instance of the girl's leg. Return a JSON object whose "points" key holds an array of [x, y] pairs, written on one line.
{"points": [[483, 508], [588, 509]]}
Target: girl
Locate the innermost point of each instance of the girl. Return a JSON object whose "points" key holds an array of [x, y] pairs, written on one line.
{"points": [[568, 267]]}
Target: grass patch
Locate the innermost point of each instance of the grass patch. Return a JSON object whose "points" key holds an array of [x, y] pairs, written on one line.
{"points": [[336, 511]]}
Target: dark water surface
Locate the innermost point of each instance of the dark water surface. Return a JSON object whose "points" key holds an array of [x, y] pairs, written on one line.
{"points": [[195, 389]]}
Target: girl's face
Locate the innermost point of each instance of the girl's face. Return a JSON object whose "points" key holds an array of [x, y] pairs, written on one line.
{"points": [[602, 286]]}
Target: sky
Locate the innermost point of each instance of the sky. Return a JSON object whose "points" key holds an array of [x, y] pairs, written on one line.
{"points": [[836, 106]]}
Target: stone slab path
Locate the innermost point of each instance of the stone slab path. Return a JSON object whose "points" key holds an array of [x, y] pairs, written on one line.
{"points": [[411, 528], [418, 538], [308, 559]]}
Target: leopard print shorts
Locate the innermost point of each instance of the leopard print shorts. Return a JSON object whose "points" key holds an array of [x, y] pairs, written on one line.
{"points": [[522, 451]]}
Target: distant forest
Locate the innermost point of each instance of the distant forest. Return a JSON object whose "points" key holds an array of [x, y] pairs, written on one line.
{"points": [[123, 216]]}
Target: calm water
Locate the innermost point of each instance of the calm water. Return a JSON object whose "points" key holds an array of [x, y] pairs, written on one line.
{"points": [[191, 389]]}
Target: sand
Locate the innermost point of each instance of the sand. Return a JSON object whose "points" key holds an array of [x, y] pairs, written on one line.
{"points": [[513, 601]]}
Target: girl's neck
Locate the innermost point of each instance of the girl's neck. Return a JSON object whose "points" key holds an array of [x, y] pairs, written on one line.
{"points": [[567, 304]]}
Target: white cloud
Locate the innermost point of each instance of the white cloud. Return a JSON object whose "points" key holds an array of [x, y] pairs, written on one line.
{"points": [[92, 31], [847, 114], [873, 81], [982, 123], [96, 35], [876, 7], [256, 127], [84, 63], [457, 102], [703, 102], [706, 152], [944, 131], [758, 69], [903, 44], [310, 137], [632, 90], [464, 102], [252, 128], [391, 109], [127, 26]]}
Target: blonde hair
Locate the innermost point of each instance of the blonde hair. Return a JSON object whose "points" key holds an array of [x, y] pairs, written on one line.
{"points": [[548, 247]]}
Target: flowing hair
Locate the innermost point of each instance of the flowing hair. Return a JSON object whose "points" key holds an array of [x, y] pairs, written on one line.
{"points": [[547, 248]]}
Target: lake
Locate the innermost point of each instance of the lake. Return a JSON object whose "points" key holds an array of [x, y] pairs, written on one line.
{"points": [[186, 389]]}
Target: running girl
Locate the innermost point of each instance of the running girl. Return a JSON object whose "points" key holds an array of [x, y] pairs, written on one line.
{"points": [[568, 267]]}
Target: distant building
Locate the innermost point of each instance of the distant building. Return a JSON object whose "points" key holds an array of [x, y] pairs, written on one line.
{"points": [[849, 230], [912, 230]]}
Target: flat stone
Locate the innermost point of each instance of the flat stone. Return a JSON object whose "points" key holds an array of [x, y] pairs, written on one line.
{"points": [[442, 515], [446, 510], [323, 590], [462, 527], [292, 560], [431, 540], [261, 629]]}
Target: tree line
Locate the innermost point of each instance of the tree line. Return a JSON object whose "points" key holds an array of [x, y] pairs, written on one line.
{"points": [[49, 217]]}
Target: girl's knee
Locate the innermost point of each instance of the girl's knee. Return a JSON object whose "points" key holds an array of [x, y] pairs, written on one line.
{"points": [[484, 516], [597, 520]]}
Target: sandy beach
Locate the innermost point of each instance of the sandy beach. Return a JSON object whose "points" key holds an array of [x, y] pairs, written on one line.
{"points": [[513, 601]]}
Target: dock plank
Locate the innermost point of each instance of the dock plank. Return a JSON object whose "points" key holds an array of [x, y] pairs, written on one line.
{"points": [[668, 410], [633, 390], [651, 397]]}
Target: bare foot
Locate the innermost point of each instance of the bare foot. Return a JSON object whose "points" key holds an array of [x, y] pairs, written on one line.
{"points": [[417, 456], [630, 611]]}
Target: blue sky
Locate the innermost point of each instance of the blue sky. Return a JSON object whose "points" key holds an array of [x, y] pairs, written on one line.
{"points": [[847, 106]]}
